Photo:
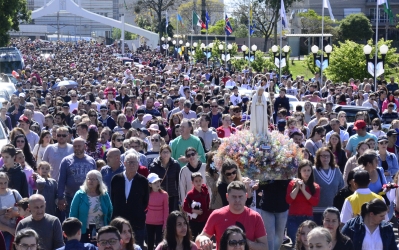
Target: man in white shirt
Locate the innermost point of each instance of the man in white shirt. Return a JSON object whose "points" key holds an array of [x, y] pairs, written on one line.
{"points": [[235, 98], [319, 114], [73, 103], [291, 90], [371, 102], [205, 133], [344, 136], [231, 82]]}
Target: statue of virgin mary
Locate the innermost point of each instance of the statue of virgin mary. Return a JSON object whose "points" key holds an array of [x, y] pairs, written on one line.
{"points": [[259, 117]]}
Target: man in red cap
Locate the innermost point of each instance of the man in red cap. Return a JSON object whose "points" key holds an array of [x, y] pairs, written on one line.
{"points": [[361, 135]]}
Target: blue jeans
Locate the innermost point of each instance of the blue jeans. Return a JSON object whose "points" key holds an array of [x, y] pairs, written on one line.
{"points": [[293, 223], [139, 235], [274, 225], [7, 238]]}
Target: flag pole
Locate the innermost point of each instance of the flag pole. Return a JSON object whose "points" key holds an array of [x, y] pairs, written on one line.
{"points": [[281, 40], [225, 40], [322, 45], [376, 46], [206, 47], [249, 34]]}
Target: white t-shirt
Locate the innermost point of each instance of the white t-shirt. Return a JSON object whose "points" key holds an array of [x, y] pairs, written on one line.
{"points": [[73, 106], [38, 155], [235, 99]]}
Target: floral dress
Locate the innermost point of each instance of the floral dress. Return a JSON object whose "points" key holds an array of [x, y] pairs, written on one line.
{"points": [[95, 212], [96, 155]]}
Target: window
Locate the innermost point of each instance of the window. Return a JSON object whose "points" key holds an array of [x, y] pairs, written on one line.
{"points": [[383, 16], [351, 11]]}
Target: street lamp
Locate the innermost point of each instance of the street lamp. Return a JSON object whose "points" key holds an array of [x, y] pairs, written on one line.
{"points": [[319, 61], [247, 55], [280, 57], [165, 46], [225, 53], [375, 66]]}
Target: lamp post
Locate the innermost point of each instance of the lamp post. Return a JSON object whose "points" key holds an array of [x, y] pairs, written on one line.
{"points": [[206, 49], [373, 64], [165, 45], [247, 55], [280, 57], [226, 53], [319, 61], [193, 48]]}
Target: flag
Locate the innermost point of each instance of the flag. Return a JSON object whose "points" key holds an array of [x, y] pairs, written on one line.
{"points": [[387, 10], [252, 29], [379, 2], [167, 21], [250, 14], [326, 5], [207, 19], [197, 21], [283, 15], [228, 29], [125, 4], [180, 19]]}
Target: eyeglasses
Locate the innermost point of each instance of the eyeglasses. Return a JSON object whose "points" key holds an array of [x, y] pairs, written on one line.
{"points": [[383, 142], [91, 179], [27, 246], [325, 156], [62, 135], [154, 140], [73, 95], [375, 125], [110, 242], [214, 106], [118, 139], [189, 155], [234, 243], [92, 115], [232, 173], [19, 141]]}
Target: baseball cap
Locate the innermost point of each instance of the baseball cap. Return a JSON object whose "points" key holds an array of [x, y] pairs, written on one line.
{"points": [[153, 178], [140, 112], [145, 131], [235, 87], [65, 105], [103, 107], [360, 124], [88, 102], [22, 95], [23, 118], [392, 132], [382, 138], [319, 110]]}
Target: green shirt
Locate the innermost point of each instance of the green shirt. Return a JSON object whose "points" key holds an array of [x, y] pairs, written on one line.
{"points": [[179, 146]]}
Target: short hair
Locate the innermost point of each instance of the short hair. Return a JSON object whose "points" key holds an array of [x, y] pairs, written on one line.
{"points": [[83, 125], [131, 155], [236, 185], [362, 178], [196, 174], [189, 123], [9, 149], [320, 231], [23, 203], [187, 104], [108, 229], [25, 233], [71, 226]]}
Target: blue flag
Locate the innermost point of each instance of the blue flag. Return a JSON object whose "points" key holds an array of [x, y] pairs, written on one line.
{"points": [[283, 15], [207, 19], [252, 29], [228, 29]]}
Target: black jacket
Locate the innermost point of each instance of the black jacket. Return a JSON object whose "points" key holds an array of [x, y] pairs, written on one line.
{"points": [[123, 100], [134, 207], [340, 197], [273, 198], [17, 179], [108, 122], [283, 102], [170, 183]]}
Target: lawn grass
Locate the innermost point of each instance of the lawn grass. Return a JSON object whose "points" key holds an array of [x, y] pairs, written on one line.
{"points": [[299, 68]]}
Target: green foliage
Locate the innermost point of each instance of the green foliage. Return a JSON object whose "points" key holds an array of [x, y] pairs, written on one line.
{"points": [[347, 60], [146, 21], [217, 53], [218, 27], [271, 66], [12, 13], [241, 31], [239, 64], [116, 35], [198, 54], [355, 27], [311, 23]]}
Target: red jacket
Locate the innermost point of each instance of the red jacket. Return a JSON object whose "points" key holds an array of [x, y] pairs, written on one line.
{"points": [[220, 131], [201, 197]]}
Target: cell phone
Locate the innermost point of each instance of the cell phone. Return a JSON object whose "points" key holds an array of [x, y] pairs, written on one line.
{"points": [[92, 231]]}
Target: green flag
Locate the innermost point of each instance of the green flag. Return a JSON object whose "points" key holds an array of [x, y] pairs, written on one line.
{"points": [[388, 11]]}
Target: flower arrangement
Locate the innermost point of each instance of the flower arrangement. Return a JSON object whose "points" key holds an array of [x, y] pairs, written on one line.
{"points": [[261, 157]]}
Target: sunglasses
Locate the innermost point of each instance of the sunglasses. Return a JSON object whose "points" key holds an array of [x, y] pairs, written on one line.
{"points": [[154, 140], [189, 155], [92, 115], [20, 141], [119, 140], [62, 135], [383, 142], [232, 173], [214, 106], [234, 243]]}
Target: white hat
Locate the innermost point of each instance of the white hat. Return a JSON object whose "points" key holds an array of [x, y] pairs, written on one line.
{"points": [[146, 118], [154, 127], [153, 178], [22, 95]]}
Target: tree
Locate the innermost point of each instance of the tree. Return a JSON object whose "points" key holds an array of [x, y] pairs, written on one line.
{"points": [[116, 34], [311, 23], [215, 11], [12, 13], [355, 27], [146, 21], [218, 28], [347, 61], [265, 15], [159, 7]]}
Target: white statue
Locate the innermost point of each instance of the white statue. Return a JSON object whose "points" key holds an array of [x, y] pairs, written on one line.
{"points": [[259, 117]]}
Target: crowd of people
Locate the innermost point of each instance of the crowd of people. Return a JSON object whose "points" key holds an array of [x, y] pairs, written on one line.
{"points": [[123, 158]]}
